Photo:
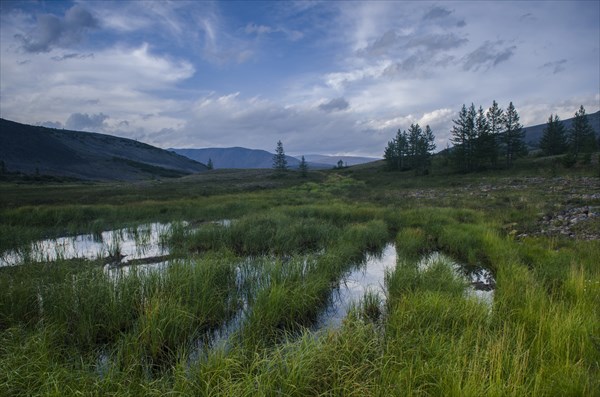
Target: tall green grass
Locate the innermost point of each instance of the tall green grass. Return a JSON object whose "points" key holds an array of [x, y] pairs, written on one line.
{"points": [[69, 328]]}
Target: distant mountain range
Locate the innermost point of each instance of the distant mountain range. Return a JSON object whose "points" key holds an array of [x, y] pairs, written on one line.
{"points": [[83, 155], [234, 157], [239, 157], [33, 150], [534, 134], [333, 160]]}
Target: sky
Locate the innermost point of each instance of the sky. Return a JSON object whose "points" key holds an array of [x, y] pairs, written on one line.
{"points": [[325, 77]]}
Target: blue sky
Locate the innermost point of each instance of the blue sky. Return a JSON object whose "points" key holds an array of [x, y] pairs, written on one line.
{"points": [[323, 77]]}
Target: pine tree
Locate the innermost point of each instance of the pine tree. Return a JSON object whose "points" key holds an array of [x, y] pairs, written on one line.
{"points": [[512, 136], [463, 138], [396, 152], [485, 143], [410, 150], [554, 140], [279, 160], [425, 149], [582, 138], [389, 155], [210, 165], [495, 120], [303, 168]]}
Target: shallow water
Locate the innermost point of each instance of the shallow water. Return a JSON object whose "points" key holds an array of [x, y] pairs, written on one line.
{"points": [[117, 246], [481, 281], [121, 245], [369, 276]]}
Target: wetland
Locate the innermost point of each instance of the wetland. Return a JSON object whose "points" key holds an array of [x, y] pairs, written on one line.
{"points": [[348, 282]]}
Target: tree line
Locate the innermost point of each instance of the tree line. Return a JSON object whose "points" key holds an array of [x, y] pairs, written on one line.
{"points": [[482, 138], [411, 150], [579, 140], [491, 138]]}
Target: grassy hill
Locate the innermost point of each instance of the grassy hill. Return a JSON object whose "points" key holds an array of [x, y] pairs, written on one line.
{"points": [[33, 150]]}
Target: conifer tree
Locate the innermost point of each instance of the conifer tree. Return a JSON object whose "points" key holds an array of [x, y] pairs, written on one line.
{"points": [[396, 151], [495, 120], [210, 165], [303, 168], [582, 138], [410, 150], [463, 138], [554, 139], [425, 149], [512, 136], [279, 160], [485, 144]]}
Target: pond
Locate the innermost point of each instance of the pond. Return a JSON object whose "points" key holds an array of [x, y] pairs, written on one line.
{"points": [[121, 245], [367, 277]]}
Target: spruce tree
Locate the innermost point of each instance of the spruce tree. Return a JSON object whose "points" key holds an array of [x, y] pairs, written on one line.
{"points": [[495, 121], [463, 138], [485, 142], [279, 160], [210, 165], [395, 153], [303, 168], [582, 138], [554, 140], [414, 137], [410, 150], [425, 149], [389, 155], [512, 136]]}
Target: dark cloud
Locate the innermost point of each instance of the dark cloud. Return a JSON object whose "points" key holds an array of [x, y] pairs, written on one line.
{"points": [[431, 42], [437, 42], [488, 55], [382, 44], [84, 121], [334, 105], [527, 17], [52, 31], [436, 12], [51, 124], [72, 56], [556, 66], [406, 67], [461, 23]]}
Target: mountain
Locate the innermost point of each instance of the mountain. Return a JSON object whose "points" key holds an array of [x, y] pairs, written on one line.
{"points": [[534, 134], [239, 157], [30, 150], [333, 160]]}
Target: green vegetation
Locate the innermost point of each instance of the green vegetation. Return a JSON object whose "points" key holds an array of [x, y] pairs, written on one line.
{"points": [[70, 327]]}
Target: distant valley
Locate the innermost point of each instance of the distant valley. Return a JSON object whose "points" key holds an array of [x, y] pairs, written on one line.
{"points": [[239, 157]]}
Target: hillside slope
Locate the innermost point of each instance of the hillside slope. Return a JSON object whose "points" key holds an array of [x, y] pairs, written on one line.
{"points": [[534, 134], [38, 150]]}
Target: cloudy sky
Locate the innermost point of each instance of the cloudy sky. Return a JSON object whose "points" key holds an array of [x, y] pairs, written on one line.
{"points": [[322, 77]]}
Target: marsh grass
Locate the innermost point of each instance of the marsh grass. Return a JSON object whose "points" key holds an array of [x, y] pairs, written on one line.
{"points": [[70, 328]]}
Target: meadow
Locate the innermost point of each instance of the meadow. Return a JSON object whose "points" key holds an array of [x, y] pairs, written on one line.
{"points": [[234, 310]]}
